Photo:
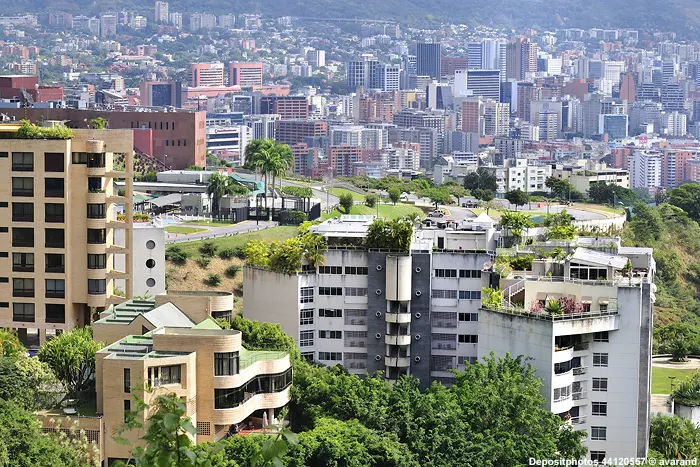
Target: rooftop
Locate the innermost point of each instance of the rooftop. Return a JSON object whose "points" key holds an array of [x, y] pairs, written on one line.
{"points": [[126, 311]]}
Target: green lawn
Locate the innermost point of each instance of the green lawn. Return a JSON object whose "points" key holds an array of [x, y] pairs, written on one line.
{"points": [[660, 381], [183, 230], [214, 223], [273, 233], [598, 207], [385, 210], [343, 191]]}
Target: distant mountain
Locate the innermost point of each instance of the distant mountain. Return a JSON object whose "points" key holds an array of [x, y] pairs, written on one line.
{"points": [[667, 15]]}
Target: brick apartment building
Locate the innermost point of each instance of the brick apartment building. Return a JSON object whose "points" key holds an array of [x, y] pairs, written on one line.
{"points": [[11, 87], [296, 131]]}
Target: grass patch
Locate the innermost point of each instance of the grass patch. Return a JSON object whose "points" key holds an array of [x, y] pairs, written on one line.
{"points": [[176, 229], [214, 223], [222, 243], [388, 211], [599, 207], [660, 381], [342, 191]]}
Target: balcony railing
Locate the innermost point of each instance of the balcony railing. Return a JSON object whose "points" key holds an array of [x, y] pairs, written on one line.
{"points": [[563, 398], [581, 346], [510, 310], [578, 420], [580, 371], [580, 395]]}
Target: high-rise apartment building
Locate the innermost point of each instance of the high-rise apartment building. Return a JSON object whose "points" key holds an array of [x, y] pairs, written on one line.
{"points": [[108, 25], [496, 118], [645, 169], [161, 12], [420, 313], [368, 73], [245, 74], [428, 59], [206, 74], [521, 58], [59, 247], [176, 20], [342, 159], [161, 93], [287, 107], [296, 131], [449, 65], [488, 54]]}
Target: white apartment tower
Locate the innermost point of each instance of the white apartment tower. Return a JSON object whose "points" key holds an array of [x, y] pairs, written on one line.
{"points": [[419, 313], [161, 12], [645, 169]]}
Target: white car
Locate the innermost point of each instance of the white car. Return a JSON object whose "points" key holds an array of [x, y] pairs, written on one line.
{"points": [[437, 213]]}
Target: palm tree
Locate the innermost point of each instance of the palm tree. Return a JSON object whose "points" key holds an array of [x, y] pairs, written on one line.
{"points": [[219, 186], [282, 161]]}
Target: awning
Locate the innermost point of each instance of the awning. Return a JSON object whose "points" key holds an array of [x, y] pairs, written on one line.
{"points": [[173, 198], [586, 300], [548, 296], [603, 300]]}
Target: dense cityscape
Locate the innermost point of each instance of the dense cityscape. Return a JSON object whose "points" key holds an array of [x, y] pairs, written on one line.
{"points": [[323, 241]]}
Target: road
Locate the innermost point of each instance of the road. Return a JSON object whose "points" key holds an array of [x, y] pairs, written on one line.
{"points": [[326, 198], [214, 232]]}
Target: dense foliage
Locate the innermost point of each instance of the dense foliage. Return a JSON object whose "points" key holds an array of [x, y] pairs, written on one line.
{"points": [[29, 130], [482, 179], [394, 234], [298, 191], [287, 256], [346, 202], [674, 437]]}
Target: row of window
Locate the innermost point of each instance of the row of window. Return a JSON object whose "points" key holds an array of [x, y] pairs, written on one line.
{"points": [[24, 161], [352, 316], [350, 270], [24, 186], [349, 291], [168, 125], [24, 237], [25, 312], [55, 263], [158, 376], [262, 384], [24, 287], [454, 294], [462, 273]]}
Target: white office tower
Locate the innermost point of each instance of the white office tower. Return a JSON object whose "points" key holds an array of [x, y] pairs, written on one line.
{"points": [[459, 85], [419, 313], [496, 118], [674, 123], [595, 358], [161, 12], [488, 54]]}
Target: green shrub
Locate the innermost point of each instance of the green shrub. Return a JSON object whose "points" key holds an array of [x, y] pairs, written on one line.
{"points": [[228, 253], [203, 261], [213, 279], [232, 270], [293, 218], [176, 255], [208, 249], [521, 263]]}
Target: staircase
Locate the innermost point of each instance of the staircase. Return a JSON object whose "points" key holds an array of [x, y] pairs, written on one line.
{"points": [[512, 290]]}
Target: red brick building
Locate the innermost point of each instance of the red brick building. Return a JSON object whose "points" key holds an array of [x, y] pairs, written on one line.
{"points": [[295, 131], [11, 88]]}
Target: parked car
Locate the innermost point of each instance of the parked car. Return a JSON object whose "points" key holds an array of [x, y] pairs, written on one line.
{"points": [[437, 213], [470, 204]]}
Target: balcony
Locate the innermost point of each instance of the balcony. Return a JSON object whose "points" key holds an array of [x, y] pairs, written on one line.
{"points": [[398, 340], [96, 197], [397, 361], [578, 420], [580, 395], [580, 371], [564, 354], [579, 346], [397, 317]]}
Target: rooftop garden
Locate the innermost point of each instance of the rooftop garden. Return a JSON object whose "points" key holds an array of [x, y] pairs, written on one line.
{"points": [[29, 130], [287, 256]]}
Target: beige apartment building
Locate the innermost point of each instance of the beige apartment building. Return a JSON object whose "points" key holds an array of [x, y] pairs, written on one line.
{"points": [[172, 345], [58, 217]]}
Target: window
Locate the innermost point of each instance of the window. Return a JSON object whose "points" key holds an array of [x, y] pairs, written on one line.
{"points": [[306, 317], [55, 263], [94, 183], [469, 316], [330, 269], [599, 433], [470, 273], [330, 291], [98, 261], [54, 212], [226, 363], [233, 397], [23, 312], [23, 262], [97, 236], [170, 374], [355, 292], [55, 313], [55, 288], [306, 338], [356, 271], [468, 339], [53, 162], [331, 356], [22, 287], [54, 187], [598, 456], [601, 337], [600, 359], [599, 408], [80, 158], [307, 295], [22, 212], [355, 317], [4, 155], [330, 334], [330, 313], [561, 394], [470, 294], [95, 160], [127, 380], [4, 204], [4, 304], [97, 286], [23, 161], [462, 360], [127, 410], [22, 186], [55, 238], [603, 307], [600, 384], [445, 273], [22, 237], [439, 293], [96, 211]]}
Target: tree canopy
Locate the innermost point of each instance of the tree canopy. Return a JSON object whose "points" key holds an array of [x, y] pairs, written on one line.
{"points": [[394, 234], [608, 193], [482, 194], [674, 437], [394, 194], [481, 179], [517, 197], [686, 197], [346, 202], [516, 222], [438, 196]]}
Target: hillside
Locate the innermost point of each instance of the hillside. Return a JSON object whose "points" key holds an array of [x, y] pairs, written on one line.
{"points": [[677, 15]]}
